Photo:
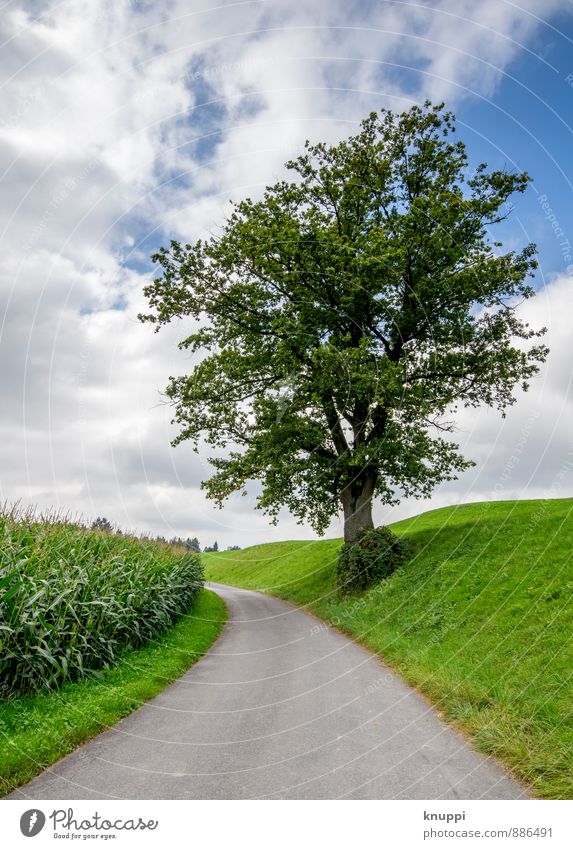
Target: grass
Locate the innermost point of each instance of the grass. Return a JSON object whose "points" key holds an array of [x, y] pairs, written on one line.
{"points": [[480, 620], [72, 598], [37, 730]]}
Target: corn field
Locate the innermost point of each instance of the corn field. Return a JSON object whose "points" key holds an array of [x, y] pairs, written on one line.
{"points": [[71, 599]]}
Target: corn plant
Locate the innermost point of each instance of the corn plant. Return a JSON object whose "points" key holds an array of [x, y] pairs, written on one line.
{"points": [[72, 599]]}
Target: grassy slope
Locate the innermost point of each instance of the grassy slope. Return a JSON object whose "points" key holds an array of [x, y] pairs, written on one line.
{"points": [[35, 731], [481, 620]]}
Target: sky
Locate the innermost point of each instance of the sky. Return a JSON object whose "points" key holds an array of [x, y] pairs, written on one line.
{"points": [[125, 123]]}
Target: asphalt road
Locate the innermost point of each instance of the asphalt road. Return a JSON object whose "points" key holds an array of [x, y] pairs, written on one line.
{"points": [[281, 707]]}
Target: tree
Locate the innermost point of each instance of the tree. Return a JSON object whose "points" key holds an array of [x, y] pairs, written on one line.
{"points": [[347, 315], [193, 544], [214, 547], [102, 524]]}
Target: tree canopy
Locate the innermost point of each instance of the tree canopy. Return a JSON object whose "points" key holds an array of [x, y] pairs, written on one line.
{"points": [[345, 316], [102, 524]]}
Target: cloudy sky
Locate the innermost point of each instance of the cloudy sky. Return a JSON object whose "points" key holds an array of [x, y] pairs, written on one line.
{"points": [[125, 123]]}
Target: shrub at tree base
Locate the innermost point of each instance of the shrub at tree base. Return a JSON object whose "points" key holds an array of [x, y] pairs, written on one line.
{"points": [[71, 599], [374, 556]]}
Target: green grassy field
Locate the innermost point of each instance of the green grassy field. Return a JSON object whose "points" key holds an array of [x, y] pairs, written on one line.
{"points": [[37, 730], [480, 620]]}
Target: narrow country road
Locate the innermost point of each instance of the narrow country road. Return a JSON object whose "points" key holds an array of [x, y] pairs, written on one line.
{"points": [[281, 707]]}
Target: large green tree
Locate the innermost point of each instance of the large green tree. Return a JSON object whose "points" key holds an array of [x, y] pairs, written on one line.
{"points": [[345, 316]]}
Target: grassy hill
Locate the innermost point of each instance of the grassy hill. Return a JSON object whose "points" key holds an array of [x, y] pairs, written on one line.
{"points": [[480, 620]]}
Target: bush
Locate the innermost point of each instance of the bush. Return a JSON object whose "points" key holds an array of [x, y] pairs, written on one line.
{"points": [[71, 599], [374, 556]]}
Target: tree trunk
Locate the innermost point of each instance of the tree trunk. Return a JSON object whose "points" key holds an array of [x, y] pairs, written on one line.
{"points": [[357, 504]]}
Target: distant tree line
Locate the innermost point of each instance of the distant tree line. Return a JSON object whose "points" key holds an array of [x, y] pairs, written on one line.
{"points": [[192, 543]]}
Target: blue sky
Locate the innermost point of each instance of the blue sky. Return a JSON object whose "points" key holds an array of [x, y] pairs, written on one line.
{"points": [[125, 124], [528, 124]]}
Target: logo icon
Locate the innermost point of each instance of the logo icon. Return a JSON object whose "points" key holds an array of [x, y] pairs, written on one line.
{"points": [[32, 822]]}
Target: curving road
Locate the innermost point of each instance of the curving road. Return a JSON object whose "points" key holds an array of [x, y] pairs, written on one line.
{"points": [[281, 707]]}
